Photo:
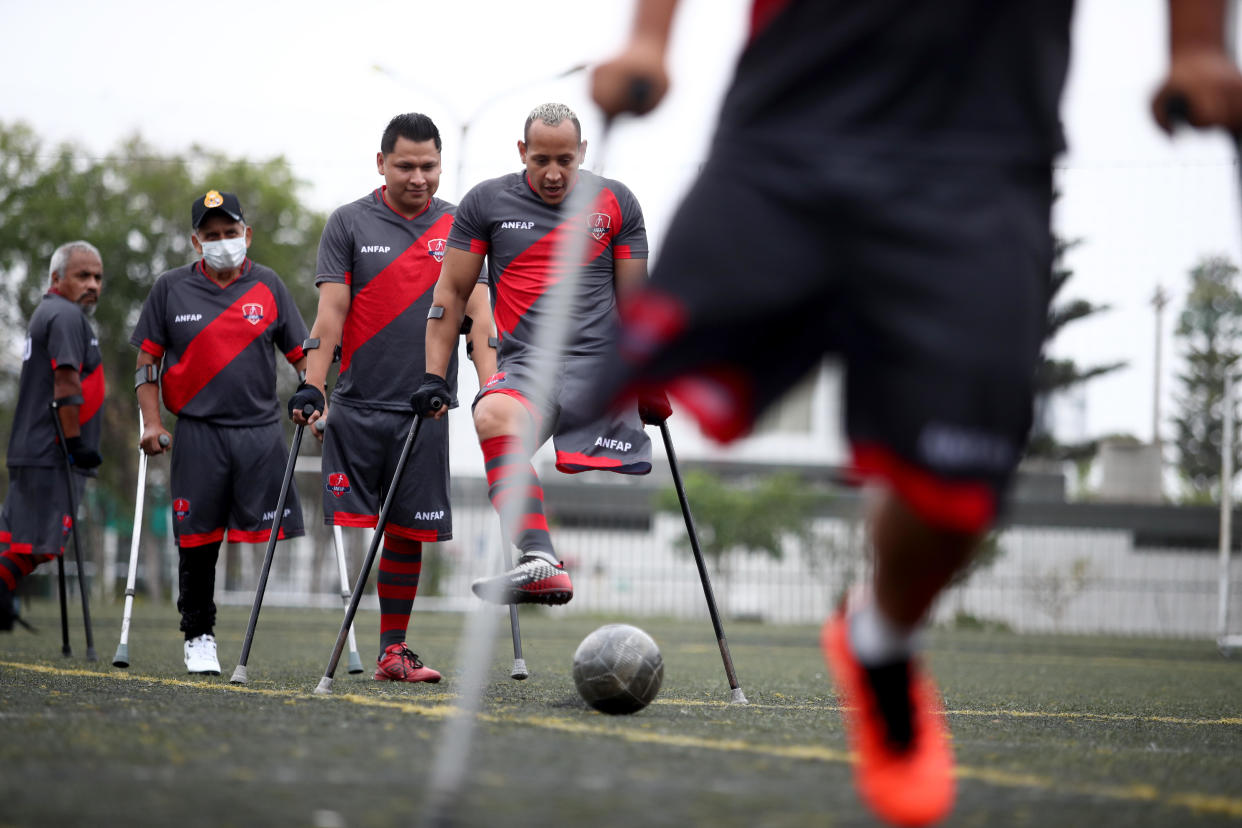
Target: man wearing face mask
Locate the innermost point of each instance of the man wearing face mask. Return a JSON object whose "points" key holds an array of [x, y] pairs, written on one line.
{"points": [[61, 362], [205, 340]]}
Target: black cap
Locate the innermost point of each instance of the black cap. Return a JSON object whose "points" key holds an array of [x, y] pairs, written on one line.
{"points": [[214, 200]]}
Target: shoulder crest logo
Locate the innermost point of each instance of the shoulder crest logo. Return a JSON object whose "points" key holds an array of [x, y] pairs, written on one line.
{"points": [[252, 312], [436, 248], [599, 224]]}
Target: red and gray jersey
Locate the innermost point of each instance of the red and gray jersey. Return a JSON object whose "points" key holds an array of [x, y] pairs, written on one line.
{"points": [[216, 342], [391, 265], [60, 335], [520, 234]]}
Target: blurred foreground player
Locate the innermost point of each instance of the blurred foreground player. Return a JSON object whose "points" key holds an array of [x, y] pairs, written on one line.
{"points": [[205, 340], [61, 362], [879, 187]]}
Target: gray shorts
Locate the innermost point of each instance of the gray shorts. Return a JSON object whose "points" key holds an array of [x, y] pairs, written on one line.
{"points": [[361, 447], [230, 477], [614, 441], [36, 519]]}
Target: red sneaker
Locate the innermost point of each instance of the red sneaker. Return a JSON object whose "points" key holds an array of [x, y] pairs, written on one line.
{"points": [[532, 581], [399, 664], [906, 781]]}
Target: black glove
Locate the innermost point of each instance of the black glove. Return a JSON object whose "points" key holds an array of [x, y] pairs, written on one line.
{"points": [[306, 395], [82, 455], [431, 396], [654, 407]]}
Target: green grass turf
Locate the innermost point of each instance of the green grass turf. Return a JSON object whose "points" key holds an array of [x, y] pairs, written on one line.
{"points": [[1047, 730]]}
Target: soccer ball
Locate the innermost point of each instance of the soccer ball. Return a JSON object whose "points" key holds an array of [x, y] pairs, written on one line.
{"points": [[618, 669]]}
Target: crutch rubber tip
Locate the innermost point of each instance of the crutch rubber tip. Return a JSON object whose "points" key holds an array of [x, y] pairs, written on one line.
{"points": [[91, 655], [66, 651], [520, 673], [239, 675], [121, 659], [325, 687], [355, 663], [738, 697]]}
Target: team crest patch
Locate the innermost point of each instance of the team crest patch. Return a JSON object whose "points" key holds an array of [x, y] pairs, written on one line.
{"points": [[599, 225], [181, 508], [66, 525], [497, 379], [436, 248], [213, 199], [252, 312], [338, 484]]}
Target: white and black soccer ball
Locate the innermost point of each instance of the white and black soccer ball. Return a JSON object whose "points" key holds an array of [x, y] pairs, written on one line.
{"points": [[618, 669]]}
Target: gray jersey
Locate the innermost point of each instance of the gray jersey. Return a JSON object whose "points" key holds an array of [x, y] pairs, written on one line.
{"points": [[391, 265], [507, 220], [60, 335]]}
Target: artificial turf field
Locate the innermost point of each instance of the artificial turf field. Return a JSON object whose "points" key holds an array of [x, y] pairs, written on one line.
{"points": [[1047, 730]]}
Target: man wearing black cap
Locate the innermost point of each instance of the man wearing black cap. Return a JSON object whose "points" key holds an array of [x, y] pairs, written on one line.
{"points": [[205, 340]]}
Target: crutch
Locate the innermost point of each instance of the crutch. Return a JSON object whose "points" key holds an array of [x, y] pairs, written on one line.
{"points": [[325, 683], [121, 659], [737, 697], [77, 546], [65, 649], [239, 673], [355, 663], [519, 671]]}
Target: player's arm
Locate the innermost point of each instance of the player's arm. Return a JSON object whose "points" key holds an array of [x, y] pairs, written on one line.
{"points": [[334, 299], [1202, 77], [628, 277], [481, 340], [147, 388], [636, 79], [458, 276], [67, 391]]}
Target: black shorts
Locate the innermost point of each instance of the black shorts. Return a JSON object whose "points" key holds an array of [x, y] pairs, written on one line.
{"points": [[929, 279], [361, 447], [230, 477], [613, 441], [36, 519]]}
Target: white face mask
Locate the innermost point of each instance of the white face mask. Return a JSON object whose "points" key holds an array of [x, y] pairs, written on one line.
{"points": [[225, 254]]}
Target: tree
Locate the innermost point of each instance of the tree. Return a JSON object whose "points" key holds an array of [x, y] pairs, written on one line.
{"points": [[1055, 376], [134, 205], [1208, 329], [752, 518]]}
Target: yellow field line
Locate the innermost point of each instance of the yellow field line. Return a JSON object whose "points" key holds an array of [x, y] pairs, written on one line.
{"points": [[1196, 802]]}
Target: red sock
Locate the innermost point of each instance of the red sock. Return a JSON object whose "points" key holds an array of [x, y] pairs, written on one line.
{"points": [[401, 563], [513, 487], [15, 565]]}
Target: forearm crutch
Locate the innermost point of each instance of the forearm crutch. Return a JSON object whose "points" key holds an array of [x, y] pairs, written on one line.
{"points": [[325, 683], [65, 649], [737, 697], [355, 663], [121, 659], [239, 672], [77, 546]]}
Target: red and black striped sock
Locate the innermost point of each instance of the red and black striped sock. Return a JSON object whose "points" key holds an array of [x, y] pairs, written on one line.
{"points": [[15, 565], [513, 487], [400, 564]]}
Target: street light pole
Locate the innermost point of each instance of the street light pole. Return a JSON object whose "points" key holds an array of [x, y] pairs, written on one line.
{"points": [[463, 124]]}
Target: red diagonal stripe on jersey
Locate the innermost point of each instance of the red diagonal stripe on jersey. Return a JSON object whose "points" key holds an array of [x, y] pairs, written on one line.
{"points": [[538, 267], [392, 291], [216, 346], [93, 390]]}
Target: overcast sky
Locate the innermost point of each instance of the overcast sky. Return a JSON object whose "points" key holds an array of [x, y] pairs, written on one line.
{"points": [[300, 79]]}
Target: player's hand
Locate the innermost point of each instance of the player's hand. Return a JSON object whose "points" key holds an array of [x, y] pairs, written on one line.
{"points": [[432, 397], [82, 455], [634, 81], [1203, 88], [654, 407], [306, 394], [155, 438]]}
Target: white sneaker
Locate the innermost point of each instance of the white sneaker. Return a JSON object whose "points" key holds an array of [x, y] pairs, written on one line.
{"points": [[200, 655]]}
